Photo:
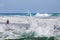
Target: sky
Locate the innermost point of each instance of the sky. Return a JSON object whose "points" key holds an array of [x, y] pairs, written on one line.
{"points": [[33, 6]]}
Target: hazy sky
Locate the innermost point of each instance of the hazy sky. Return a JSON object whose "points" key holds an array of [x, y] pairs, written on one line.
{"points": [[21, 6]]}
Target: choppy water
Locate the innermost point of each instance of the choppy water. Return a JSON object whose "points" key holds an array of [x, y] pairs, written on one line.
{"points": [[22, 26]]}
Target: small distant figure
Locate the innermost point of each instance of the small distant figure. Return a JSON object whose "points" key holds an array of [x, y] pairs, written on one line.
{"points": [[7, 21]]}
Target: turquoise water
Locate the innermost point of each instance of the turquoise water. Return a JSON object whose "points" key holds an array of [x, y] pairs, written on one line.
{"points": [[26, 14]]}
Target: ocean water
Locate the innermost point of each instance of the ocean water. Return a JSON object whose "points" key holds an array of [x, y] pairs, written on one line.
{"points": [[32, 14], [24, 26]]}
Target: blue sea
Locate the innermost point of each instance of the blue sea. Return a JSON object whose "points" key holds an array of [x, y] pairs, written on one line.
{"points": [[28, 14]]}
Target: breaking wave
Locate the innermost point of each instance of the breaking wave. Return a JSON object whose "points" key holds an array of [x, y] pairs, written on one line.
{"points": [[23, 26]]}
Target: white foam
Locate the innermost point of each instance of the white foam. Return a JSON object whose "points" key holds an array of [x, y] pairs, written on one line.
{"points": [[42, 15], [40, 26]]}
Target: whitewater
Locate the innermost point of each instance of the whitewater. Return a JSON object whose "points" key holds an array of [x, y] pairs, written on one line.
{"points": [[18, 25]]}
